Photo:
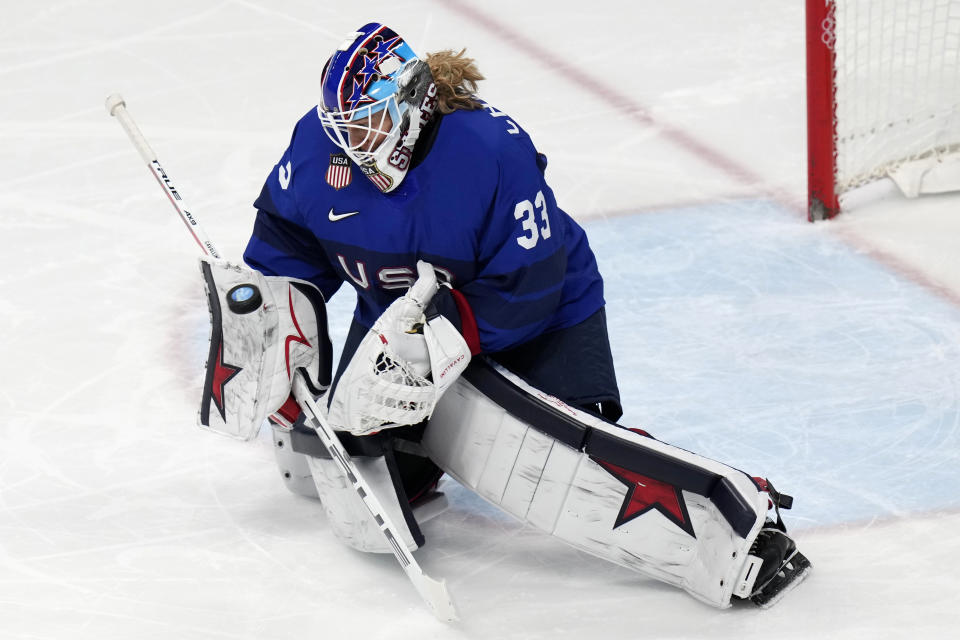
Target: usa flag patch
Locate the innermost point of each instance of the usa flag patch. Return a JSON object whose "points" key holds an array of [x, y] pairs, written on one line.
{"points": [[338, 173], [382, 180]]}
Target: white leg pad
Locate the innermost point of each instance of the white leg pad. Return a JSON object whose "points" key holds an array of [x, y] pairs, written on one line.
{"points": [[293, 466], [622, 496], [349, 519]]}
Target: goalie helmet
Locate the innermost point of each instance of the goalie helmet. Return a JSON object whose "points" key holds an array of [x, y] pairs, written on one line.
{"points": [[377, 97]]}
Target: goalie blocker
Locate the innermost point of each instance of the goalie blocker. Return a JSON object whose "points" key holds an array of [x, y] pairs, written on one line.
{"points": [[263, 329]]}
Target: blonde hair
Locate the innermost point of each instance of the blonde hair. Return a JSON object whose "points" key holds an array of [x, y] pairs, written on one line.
{"points": [[456, 77]]}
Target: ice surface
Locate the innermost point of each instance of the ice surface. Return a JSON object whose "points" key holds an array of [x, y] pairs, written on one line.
{"points": [[826, 356]]}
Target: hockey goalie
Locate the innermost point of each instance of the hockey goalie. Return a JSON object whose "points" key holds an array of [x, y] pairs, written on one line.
{"points": [[478, 347]]}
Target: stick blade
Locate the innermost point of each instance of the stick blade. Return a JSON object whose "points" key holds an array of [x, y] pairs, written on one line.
{"points": [[435, 594]]}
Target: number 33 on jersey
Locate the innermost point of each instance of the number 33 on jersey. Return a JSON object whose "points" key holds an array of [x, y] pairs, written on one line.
{"points": [[534, 220]]}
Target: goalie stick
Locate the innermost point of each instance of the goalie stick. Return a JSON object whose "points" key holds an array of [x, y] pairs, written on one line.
{"points": [[434, 592]]}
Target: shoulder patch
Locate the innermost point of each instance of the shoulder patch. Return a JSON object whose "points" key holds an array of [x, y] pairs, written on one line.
{"points": [[338, 172]]}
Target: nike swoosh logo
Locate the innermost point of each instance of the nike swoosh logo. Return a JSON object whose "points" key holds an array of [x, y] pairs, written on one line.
{"points": [[340, 216]]}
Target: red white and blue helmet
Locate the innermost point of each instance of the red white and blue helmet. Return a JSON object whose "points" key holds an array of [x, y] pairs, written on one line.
{"points": [[377, 96]]}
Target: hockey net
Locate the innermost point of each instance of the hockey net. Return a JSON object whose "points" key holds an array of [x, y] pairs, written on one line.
{"points": [[883, 97]]}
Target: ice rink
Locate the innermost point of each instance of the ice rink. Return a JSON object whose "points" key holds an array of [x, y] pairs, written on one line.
{"points": [[825, 357]]}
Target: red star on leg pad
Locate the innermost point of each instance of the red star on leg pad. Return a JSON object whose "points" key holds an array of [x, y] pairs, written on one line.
{"points": [[645, 493]]}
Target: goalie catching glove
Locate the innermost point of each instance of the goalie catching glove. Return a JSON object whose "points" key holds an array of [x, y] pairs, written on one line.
{"points": [[264, 329], [402, 366]]}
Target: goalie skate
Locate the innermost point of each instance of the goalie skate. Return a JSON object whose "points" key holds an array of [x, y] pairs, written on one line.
{"points": [[781, 566]]}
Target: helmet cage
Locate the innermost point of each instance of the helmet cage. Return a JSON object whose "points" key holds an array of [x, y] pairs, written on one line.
{"points": [[375, 102], [369, 133]]}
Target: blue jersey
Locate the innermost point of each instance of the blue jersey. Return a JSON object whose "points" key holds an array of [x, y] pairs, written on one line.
{"points": [[476, 206]]}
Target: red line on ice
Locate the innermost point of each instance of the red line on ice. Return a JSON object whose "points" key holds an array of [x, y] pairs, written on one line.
{"points": [[626, 105]]}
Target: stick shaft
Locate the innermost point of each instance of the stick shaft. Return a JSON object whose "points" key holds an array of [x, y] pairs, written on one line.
{"points": [[118, 108]]}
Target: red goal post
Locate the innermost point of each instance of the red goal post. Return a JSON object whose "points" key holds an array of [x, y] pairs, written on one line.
{"points": [[883, 97]]}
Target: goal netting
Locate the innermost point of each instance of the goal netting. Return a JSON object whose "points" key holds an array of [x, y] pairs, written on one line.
{"points": [[883, 93]]}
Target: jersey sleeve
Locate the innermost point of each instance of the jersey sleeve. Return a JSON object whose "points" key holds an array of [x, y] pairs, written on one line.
{"points": [[522, 258], [281, 244]]}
